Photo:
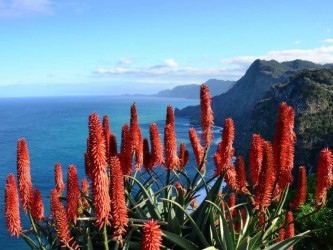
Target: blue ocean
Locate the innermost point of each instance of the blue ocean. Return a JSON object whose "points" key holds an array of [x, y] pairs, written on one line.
{"points": [[56, 129]]}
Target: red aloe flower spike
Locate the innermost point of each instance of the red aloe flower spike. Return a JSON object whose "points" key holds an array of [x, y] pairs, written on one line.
{"points": [[61, 225], [107, 134], [207, 118], [146, 156], [281, 233], [54, 199], [301, 189], [256, 152], [324, 176], [152, 236], [101, 198], [198, 150], [241, 174], [283, 146], [73, 194], [156, 146], [217, 159], [85, 191], [231, 178], [23, 174], [58, 178], [117, 193], [289, 226], [126, 151], [12, 211], [37, 206], [225, 147], [264, 190], [183, 156], [170, 117], [100, 181], [96, 143], [134, 127], [134, 116], [170, 144], [113, 145], [170, 147], [139, 151], [136, 136]]}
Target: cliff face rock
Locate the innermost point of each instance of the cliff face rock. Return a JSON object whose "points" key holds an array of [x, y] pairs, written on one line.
{"points": [[192, 91], [239, 102], [310, 93]]}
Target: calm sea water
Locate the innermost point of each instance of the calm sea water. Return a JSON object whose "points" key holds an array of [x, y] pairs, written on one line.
{"points": [[56, 130]]}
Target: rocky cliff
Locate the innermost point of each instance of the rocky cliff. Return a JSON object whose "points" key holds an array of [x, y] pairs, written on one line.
{"points": [[310, 93], [240, 100]]}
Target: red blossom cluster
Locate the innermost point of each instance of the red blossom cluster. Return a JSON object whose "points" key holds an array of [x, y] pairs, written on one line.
{"points": [[170, 143], [198, 150], [12, 211], [270, 166], [225, 150], [301, 189], [152, 236], [324, 176], [207, 118]]}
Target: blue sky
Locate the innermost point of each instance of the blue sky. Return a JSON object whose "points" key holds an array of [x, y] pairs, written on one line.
{"points": [[71, 47]]}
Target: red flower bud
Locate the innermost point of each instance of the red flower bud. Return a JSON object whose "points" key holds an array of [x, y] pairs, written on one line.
{"points": [[12, 211], [152, 236], [207, 118]]}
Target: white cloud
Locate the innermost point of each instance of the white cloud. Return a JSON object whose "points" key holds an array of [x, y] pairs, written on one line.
{"points": [[16, 8], [125, 61], [171, 63], [169, 71], [329, 40], [320, 55], [230, 68], [23, 8]]}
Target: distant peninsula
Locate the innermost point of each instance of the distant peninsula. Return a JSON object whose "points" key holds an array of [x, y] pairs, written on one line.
{"points": [[192, 91]]}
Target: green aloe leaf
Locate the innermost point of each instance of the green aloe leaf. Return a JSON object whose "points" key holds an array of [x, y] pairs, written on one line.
{"points": [[150, 202], [213, 229], [228, 237], [192, 222], [29, 241], [244, 226], [173, 222], [89, 245], [245, 244], [127, 241], [179, 241], [276, 214]]}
